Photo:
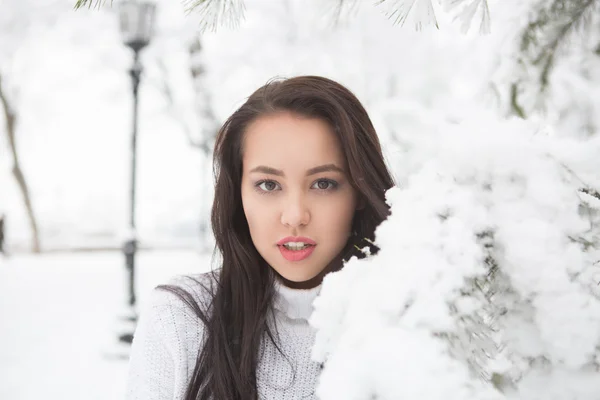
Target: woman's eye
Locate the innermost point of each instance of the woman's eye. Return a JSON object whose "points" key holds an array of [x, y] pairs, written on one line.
{"points": [[267, 186], [326, 184]]}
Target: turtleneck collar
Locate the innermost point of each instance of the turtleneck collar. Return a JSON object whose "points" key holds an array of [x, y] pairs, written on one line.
{"points": [[295, 303]]}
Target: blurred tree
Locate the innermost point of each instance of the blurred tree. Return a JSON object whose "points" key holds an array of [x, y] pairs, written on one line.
{"points": [[2, 227], [198, 122], [17, 23], [10, 118], [554, 71], [207, 123], [549, 32]]}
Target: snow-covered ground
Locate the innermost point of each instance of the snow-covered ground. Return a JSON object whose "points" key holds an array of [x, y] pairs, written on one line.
{"points": [[59, 316]]}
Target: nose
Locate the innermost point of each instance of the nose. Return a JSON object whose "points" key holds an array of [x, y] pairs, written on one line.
{"points": [[295, 212]]}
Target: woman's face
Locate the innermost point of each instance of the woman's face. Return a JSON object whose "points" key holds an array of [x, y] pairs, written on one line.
{"points": [[294, 183]]}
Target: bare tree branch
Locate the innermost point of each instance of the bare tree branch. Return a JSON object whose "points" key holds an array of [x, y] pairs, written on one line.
{"points": [[209, 125], [10, 124]]}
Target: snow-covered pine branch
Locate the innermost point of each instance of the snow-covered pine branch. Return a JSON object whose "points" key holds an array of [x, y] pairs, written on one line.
{"points": [[90, 3], [215, 13], [479, 291], [551, 36], [423, 12]]}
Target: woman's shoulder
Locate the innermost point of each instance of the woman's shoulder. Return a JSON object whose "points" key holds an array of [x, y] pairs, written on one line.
{"points": [[170, 329], [187, 291], [178, 309]]}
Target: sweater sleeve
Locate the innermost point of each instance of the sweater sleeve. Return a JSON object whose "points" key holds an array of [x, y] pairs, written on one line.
{"points": [[164, 349]]}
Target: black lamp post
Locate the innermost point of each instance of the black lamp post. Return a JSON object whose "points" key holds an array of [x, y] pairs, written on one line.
{"points": [[136, 22]]}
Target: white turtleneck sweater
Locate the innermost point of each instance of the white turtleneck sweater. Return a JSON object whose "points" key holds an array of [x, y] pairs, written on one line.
{"points": [[168, 337]]}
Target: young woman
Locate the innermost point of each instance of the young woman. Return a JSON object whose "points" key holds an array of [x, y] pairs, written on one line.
{"points": [[300, 188]]}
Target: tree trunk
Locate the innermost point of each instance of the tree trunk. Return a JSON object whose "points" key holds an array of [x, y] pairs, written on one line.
{"points": [[10, 118]]}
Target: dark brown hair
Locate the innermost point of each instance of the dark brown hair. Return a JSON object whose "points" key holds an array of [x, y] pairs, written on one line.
{"points": [[235, 321]]}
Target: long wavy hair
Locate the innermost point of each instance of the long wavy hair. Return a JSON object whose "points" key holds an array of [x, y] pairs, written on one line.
{"points": [[241, 298]]}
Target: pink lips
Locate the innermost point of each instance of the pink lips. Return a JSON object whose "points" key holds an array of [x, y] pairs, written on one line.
{"points": [[296, 255], [296, 239]]}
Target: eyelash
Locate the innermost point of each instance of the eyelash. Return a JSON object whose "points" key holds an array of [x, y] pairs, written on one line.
{"points": [[333, 185]]}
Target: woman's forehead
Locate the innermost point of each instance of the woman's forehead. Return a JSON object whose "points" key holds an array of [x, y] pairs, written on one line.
{"points": [[291, 140]]}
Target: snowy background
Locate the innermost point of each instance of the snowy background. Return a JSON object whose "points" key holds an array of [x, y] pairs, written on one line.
{"points": [[495, 203]]}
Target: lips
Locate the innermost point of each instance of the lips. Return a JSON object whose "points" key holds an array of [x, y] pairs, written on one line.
{"points": [[296, 239], [296, 255]]}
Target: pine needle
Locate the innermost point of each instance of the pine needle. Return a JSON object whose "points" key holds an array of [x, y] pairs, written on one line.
{"points": [[214, 13], [89, 3]]}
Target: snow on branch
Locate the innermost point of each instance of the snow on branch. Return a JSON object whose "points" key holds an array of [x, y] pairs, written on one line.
{"points": [[90, 3], [423, 12], [478, 291], [215, 13]]}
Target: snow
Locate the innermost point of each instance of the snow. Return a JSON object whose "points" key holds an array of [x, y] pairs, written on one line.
{"points": [[487, 282], [75, 126], [482, 176], [60, 315]]}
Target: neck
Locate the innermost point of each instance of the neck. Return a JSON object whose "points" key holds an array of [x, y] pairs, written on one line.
{"points": [[294, 303]]}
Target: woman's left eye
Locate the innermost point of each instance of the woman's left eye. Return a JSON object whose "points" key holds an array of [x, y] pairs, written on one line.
{"points": [[326, 184]]}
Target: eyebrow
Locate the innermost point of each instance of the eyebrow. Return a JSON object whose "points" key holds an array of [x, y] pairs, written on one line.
{"points": [[312, 171]]}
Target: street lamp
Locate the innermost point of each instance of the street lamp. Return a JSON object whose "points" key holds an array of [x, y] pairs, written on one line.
{"points": [[136, 22]]}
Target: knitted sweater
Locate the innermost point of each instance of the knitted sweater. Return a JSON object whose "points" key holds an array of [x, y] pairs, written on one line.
{"points": [[168, 337]]}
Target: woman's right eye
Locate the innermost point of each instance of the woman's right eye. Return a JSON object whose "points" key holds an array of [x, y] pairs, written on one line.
{"points": [[267, 186]]}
